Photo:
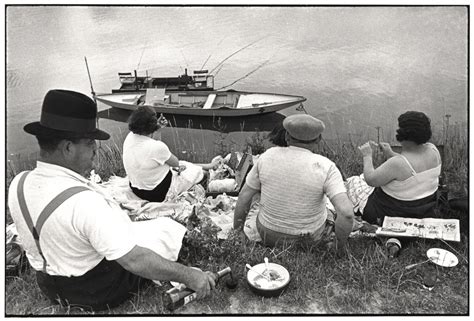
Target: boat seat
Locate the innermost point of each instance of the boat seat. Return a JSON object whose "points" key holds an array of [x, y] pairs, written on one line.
{"points": [[209, 101], [154, 95]]}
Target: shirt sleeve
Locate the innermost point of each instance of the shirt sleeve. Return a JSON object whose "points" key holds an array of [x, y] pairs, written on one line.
{"points": [[334, 183], [253, 179], [108, 229], [160, 152]]}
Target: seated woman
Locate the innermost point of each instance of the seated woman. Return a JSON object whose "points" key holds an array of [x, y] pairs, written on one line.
{"points": [[405, 184], [149, 162]]}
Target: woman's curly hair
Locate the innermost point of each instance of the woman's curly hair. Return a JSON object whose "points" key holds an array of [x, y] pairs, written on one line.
{"points": [[414, 126], [143, 121]]}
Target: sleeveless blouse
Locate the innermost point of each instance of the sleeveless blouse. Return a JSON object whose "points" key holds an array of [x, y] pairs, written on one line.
{"points": [[417, 186]]}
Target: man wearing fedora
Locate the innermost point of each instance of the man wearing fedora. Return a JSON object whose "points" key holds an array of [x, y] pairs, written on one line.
{"points": [[294, 183], [81, 244]]}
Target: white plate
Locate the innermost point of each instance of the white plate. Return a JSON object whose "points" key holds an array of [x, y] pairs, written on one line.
{"points": [[260, 282], [442, 257]]}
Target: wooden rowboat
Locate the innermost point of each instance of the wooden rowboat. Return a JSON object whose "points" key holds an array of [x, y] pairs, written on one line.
{"points": [[229, 103]]}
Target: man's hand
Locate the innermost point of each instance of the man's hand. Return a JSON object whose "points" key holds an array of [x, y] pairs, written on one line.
{"points": [[201, 282]]}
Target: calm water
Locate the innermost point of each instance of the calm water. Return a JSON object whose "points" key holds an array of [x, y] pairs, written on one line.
{"points": [[358, 67]]}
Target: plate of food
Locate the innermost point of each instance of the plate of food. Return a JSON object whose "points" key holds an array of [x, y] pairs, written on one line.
{"points": [[268, 279], [442, 257]]}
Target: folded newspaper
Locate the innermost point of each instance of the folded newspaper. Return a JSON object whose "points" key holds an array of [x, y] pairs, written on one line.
{"points": [[429, 228]]}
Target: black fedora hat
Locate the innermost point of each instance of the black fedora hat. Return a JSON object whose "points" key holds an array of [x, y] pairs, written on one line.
{"points": [[67, 114]]}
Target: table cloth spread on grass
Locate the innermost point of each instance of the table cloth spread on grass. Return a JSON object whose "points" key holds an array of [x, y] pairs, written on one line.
{"points": [[219, 210]]}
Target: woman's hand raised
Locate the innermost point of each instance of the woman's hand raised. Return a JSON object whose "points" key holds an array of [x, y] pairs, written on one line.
{"points": [[366, 149]]}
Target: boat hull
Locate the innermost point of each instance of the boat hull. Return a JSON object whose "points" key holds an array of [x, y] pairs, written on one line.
{"points": [[257, 104]]}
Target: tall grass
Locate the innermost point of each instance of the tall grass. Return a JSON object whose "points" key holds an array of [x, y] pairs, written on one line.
{"points": [[363, 281]]}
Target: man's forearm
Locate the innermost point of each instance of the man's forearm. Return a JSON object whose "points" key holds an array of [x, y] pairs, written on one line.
{"points": [[240, 214], [242, 207], [344, 218], [343, 228], [150, 265]]}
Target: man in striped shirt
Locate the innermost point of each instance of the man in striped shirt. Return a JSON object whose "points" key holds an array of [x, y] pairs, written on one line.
{"points": [[294, 183]]}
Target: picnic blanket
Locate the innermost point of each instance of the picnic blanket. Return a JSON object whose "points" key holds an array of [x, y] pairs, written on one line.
{"points": [[220, 210], [168, 236]]}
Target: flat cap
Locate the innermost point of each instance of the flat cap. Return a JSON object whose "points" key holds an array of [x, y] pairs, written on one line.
{"points": [[303, 127]]}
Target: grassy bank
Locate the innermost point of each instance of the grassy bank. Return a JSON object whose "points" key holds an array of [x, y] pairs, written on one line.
{"points": [[363, 281]]}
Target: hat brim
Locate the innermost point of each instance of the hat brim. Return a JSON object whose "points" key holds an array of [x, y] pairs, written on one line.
{"points": [[37, 129]]}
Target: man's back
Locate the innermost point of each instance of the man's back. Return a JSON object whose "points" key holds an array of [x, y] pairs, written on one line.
{"points": [[293, 183], [72, 238]]}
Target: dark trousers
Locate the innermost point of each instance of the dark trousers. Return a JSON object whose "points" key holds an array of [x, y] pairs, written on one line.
{"points": [[379, 205], [105, 286], [158, 194]]}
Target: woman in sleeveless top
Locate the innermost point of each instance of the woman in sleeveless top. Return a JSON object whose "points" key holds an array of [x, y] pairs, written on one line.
{"points": [[406, 183]]}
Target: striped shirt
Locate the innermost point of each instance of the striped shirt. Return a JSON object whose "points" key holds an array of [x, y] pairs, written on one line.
{"points": [[294, 183]]}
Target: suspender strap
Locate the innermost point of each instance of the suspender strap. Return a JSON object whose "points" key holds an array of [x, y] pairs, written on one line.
{"points": [[54, 204], [45, 213], [24, 208]]}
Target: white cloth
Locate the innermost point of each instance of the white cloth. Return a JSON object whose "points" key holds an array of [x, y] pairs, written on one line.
{"points": [[85, 228], [183, 181], [144, 161], [417, 186], [294, 183], [161, 235]]}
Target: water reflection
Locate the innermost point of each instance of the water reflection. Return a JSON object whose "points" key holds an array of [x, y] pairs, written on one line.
{"points": [[251, 123]]}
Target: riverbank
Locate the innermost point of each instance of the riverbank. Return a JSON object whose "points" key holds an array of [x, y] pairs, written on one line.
{"points": [[363, 281]]}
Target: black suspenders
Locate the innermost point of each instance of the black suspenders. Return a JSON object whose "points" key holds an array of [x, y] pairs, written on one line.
{"points": [[47, 211]]}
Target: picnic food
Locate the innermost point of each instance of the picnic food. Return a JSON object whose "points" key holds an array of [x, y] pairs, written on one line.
{"points": [[275, 280]]}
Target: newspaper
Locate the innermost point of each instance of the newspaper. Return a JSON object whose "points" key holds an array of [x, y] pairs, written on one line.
{"points": [[429, 228]]}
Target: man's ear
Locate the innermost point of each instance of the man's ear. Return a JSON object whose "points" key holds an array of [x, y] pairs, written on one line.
{"points": [[67, 148]]}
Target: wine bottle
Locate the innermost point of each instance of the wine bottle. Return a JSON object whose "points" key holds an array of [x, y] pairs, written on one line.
{"points": [[176, 297]]}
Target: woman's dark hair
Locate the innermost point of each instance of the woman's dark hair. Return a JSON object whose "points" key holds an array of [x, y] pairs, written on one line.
{"points": [[277, 136], [414, 126], [143, 121]]}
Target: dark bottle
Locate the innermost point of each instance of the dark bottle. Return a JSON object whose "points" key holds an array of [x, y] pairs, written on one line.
{"points": [[393, 247], [176, 297], [429, 278]]}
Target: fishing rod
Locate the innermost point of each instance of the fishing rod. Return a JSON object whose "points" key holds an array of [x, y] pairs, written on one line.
{"points": [[90, 80], [234, 53], [245, 76], [185, 60], [140, 61], [205, 62], [210, 55], [93, 96]]}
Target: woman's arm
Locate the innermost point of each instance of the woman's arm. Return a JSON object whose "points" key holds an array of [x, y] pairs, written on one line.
{"points": [[387, 150], [384, 174], [173, 161], [212, 165]]}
